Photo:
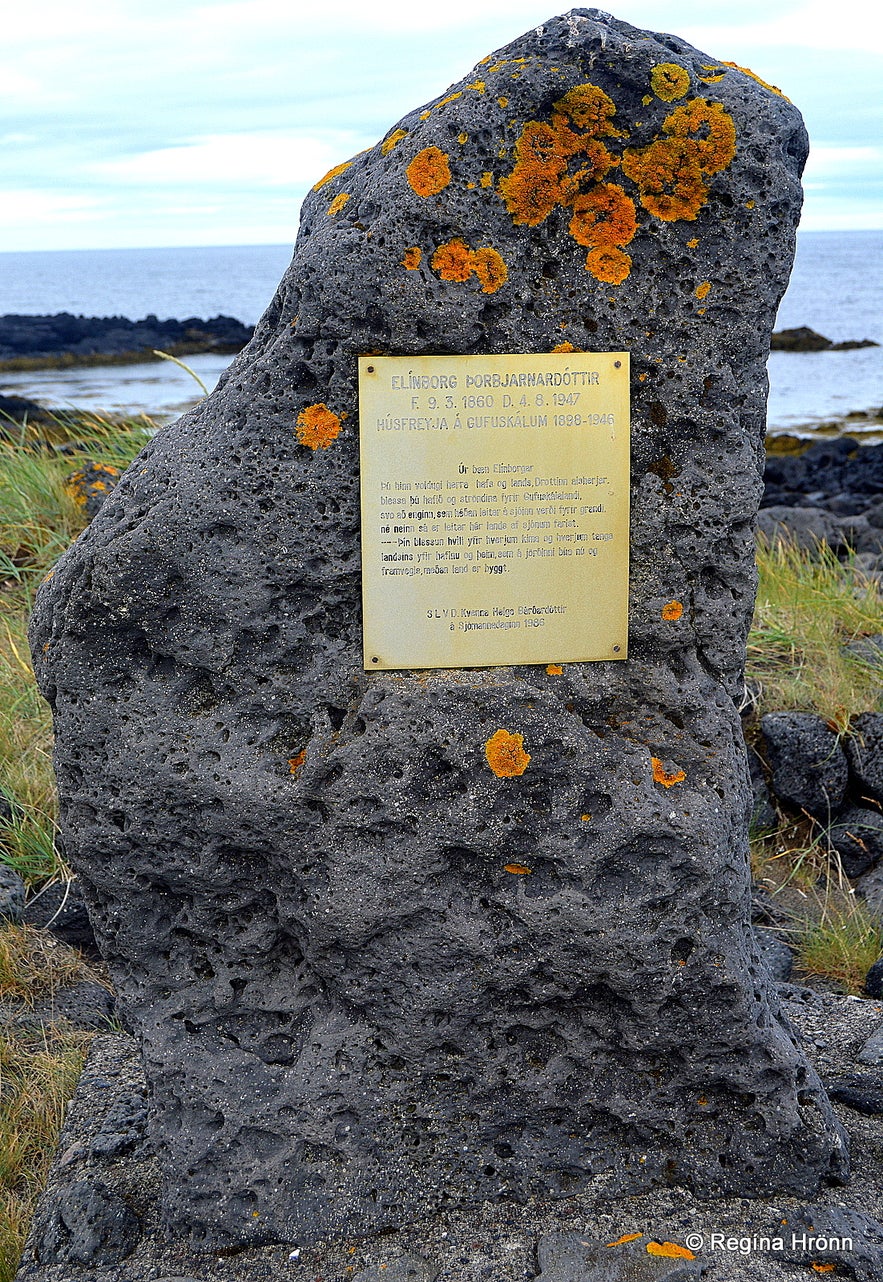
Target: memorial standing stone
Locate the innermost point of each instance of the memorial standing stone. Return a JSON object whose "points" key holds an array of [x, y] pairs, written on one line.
{"points": [[409, 939]]}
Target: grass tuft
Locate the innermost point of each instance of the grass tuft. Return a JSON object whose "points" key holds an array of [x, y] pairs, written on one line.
{"points": [[38, 1075], [809, 607]]}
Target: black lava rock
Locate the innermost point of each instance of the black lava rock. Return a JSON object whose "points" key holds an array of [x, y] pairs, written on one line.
{"points": [[857, 836], [90, 485], [570, 1257], [301, 873], [864, 751], [60, 909], [860, 1091], [86, 1224], [64, 334], [778, 956], [12, 894], [808, 764], [874, 980]]}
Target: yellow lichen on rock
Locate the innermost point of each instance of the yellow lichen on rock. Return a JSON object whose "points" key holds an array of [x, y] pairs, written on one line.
{"points": [[754, 76], [608, 264], [668, 778], [455, 261], [604, 216], [505, 754], [429, 172], [332, 173], [412, 258], [490, 269], [702, 290], [669, 80], [672, 611], [392, 141], [317, 426], [338, 203], [590, 109]]}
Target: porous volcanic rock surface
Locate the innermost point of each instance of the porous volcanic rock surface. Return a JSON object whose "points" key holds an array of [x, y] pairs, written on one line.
{"points": [[351, 1013]]}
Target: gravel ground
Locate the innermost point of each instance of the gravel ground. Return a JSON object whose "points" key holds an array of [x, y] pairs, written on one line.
{"points": [[100, 1215]]}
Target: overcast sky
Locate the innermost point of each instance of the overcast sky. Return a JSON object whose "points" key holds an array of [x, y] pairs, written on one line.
{"points": [[172, 122]]}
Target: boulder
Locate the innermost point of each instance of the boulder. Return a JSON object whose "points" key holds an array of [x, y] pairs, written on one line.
{"points": [[857, 836], [864, 751], [808, 764], [12, 894], [373, 972]]}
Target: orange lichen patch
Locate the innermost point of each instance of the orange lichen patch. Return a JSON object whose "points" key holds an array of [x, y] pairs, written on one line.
{"points": [[338, 203], [712, 80], [533, 189], [520, 870], [667, 778], [317, 426], [669, 81], [392, 141], [487, 179], [626, 1237], [702, 1102], [478, 85], [670, 1250], [452, 97], [608, 264], [709, 128], [424, 115], [453, 260], [429, 172], [295, 763], [669, 178], [585, 818], [604, 216], [590, 109], [332, 173], [490, 269], [502, 103], [691, 244], [555, 669], [749, 204], [461, 138], [754, 76], [672, 611], [702, 290], [564, 347], [412, 258], [505, 754], [823, 1268]]}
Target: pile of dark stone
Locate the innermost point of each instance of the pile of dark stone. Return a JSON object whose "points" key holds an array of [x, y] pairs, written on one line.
{"points": [[831, 494], [804, 339], [87, 337], [836, 781]]}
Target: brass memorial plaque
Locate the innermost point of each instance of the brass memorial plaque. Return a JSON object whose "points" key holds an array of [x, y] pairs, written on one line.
{"points": [[495, 509]]}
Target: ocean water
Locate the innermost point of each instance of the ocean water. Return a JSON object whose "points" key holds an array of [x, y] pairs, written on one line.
{"points": [[836, 288]]}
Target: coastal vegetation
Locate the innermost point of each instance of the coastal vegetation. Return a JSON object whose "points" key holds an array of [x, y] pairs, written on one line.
{"points": [[810, 607]]}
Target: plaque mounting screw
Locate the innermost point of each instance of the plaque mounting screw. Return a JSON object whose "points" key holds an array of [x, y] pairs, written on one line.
{"points": [[370, 369], [616, 649], [617, 364], [375, 659]]}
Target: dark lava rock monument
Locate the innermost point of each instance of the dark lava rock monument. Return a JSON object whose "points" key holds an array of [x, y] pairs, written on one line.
{"points": [[400, 940]]}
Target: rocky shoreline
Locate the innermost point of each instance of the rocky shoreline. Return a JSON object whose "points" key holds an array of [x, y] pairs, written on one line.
{"points": [[63, 340]]}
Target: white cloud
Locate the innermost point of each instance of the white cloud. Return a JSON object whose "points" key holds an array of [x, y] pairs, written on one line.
{"points": [[827, 158], [267, 159]]}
